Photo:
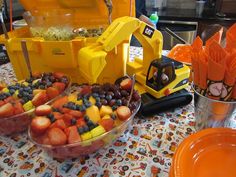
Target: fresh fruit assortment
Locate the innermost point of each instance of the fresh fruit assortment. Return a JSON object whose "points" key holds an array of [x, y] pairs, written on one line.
{"points": [[83, 117], [17, 101]]}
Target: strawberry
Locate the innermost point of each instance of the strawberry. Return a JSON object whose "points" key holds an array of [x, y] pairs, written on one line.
{"points": [[73, 136], [58, 124], [40, 98], [86, 90], [6, 110], [76, 114], [126, 84], [40, 124], [36, 91], [67, 119], [9, 99], [60, 102], [80, 122], [58, 75], [65, 110], [107, 124], [59, 86], [57, 115], [43, 139], [52, 92], [37, 74], [43, 110], [57, 136], [2, 102], [18, 108], [123, 112]]}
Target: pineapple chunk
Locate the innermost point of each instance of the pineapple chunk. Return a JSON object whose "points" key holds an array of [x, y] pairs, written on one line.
{"points": [[99, 130], [5, 90], [72, 98], [28, 106], [105, 110], [92, 100], [93, 113], [15, 94], [86, 136], [79, 102], [106, 117]]}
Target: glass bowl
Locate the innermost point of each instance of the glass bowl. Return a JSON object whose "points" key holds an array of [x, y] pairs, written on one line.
{"points": [[19, 122], [87, 146]]}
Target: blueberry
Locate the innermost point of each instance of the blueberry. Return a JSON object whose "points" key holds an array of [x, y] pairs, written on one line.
{"points": [[108, 97], [78, 107], [90, 123], [52, 79], [22, 101], [20, 95], [7, 94], [83, 108], [49, 84], [113, 116], [98, 99], [73, 107], [26, 89], [104, 102], [102, 96], [88, 104], [73, 121], [41, 87], [119, 102], [86, 118], [86, 128], [25, 99], [55, 109], [11, 91], [114, 107], [91, 127], [95, 95], [64, 80], [98, 104], [51, 117], [81, 130]]}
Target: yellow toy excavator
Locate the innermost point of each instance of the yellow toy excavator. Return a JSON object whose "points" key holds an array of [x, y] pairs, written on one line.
{"points": [[157, 76]]}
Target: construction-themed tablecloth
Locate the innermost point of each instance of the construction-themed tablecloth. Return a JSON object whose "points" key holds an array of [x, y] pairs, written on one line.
{"points": [[145, 149]]}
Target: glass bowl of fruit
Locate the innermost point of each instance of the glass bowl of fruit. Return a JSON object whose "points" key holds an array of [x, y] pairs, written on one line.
{"points": [[87, 119], [18, 100]]}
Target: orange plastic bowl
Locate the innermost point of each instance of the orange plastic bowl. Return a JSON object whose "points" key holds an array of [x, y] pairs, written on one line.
{"points": [[210, 152]]}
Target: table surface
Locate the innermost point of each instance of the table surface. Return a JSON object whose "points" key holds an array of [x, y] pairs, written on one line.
{"points": [[149, 144]]}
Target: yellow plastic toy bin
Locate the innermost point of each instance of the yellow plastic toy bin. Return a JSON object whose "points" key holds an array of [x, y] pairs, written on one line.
{"points": [[63, 56]]}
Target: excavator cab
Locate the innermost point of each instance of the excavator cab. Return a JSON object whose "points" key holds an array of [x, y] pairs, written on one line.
{"points": [[161, 72]]}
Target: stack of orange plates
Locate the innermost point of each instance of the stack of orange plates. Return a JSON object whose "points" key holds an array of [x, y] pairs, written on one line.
{"points": [[208, 153]]}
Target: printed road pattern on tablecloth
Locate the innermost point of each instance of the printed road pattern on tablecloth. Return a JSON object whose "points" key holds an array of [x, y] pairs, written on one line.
{"points": [[145, 150]]}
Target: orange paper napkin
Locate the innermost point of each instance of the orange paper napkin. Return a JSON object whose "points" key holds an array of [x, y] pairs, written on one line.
{"points": [[216, 70], [196, 49]]}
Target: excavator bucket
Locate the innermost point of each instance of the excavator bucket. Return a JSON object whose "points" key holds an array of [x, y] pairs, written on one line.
{"points": [[91, 62]]}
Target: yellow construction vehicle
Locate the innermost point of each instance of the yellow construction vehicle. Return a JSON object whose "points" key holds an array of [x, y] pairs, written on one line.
{"points": [[157, 75]]}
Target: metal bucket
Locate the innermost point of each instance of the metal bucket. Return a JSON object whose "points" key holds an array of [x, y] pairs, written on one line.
{"points": [[213, 113]]}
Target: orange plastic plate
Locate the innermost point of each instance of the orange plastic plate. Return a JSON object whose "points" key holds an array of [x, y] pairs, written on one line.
{"points": [[208, 153]]}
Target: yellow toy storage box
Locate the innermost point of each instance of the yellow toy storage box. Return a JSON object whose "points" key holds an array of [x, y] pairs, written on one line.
{"points": [[63, 56]]}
